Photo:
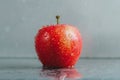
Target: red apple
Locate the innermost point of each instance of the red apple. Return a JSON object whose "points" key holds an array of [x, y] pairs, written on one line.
{"points": [[58, 46]]}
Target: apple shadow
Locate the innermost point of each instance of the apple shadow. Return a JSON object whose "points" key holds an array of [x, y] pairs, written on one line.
{"points": [[61, 74]]}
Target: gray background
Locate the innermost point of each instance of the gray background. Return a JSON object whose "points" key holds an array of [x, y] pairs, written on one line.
{"points": [[97, 20]]}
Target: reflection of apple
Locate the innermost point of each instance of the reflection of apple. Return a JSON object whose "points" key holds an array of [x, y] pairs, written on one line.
{"points": [[60, 74], [58, 46]]}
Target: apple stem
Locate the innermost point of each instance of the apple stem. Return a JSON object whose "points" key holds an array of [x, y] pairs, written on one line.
{"points": [[57, 17]]}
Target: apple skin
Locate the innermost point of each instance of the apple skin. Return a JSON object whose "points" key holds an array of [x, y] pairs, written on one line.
{"points": [[58, 46]]}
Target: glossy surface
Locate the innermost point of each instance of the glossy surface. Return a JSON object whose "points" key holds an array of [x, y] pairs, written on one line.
{"points": [[58, 45], [86, 69]]}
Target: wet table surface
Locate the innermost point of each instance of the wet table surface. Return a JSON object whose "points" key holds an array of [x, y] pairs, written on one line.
{"points": [[85, 69]]}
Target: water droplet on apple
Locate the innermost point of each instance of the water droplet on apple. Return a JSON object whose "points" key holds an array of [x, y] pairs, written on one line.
{"points": [[72, 54], [46, 36], [69, 35], [58, 43], [53, 39]]}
